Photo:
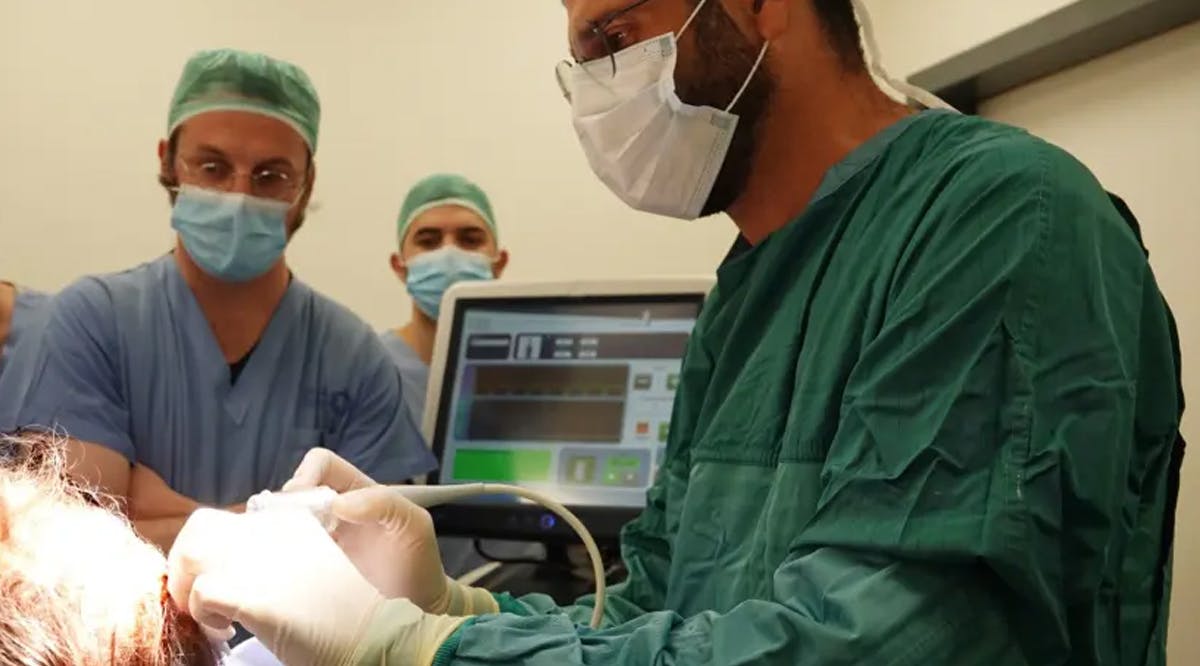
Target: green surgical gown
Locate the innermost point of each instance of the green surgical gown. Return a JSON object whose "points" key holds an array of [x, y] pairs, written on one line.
{"points": [[930, 421]]}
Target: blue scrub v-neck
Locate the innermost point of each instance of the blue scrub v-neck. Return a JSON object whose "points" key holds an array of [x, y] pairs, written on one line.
{"points": [[256, 375]]}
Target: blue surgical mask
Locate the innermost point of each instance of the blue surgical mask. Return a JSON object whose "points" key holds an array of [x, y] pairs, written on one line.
{"points": [[432, 273], [232, 237]]}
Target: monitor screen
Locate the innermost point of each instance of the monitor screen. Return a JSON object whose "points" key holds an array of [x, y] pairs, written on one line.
{"points": [[571, 396]]}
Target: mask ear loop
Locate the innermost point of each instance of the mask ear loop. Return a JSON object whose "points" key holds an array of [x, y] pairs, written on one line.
{"points": [[753, 70], [874, 64], [757, 62], [688, 22]]}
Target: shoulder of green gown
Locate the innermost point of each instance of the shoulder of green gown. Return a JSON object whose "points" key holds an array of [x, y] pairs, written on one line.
{"points": [[995, 149]]}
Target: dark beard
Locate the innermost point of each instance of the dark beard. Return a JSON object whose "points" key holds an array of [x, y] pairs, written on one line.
{"points": [[720, 58]]}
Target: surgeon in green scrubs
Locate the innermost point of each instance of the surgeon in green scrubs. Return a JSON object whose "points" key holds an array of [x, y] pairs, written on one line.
{"points": [[929, 415]]}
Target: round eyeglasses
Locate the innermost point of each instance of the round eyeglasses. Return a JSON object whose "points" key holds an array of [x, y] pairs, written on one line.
{"points": [[213, 173]]}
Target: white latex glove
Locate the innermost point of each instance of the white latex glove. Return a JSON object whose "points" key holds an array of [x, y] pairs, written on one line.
{"points": [[388, 538], [322, 467], [280, 575]]}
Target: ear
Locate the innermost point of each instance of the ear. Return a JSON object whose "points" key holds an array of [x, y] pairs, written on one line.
{"points": [[398, 267], [310, 181], [165, 168], [299, 212], [500, 265], [312, 175], [771, 18]]}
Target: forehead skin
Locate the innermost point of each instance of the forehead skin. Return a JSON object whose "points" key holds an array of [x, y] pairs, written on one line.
{"points": [[449, 219], [245, 139]]}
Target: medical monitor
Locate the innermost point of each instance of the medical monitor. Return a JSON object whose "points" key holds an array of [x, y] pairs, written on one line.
{"points": [[566, 388]]}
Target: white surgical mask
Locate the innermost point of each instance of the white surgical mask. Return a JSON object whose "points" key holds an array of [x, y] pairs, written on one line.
{"points": [[656, 153]]}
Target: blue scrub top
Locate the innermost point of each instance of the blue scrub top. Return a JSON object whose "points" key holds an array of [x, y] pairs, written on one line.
{"points": [[128, 361], [413, 372], [28, 313]]}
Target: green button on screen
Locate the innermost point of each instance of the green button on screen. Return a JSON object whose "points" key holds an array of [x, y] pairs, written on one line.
{"points": [[501, 466]]}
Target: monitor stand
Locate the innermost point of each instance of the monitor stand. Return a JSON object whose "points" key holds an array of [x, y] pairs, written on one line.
{"points": [[559, 576]]}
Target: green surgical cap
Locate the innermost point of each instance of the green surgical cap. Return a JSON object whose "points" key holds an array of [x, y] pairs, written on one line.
{"points": [[229, 80], [444, 189]]}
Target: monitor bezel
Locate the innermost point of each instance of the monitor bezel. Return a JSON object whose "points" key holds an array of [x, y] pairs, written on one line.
{"points": [[525, 522]]}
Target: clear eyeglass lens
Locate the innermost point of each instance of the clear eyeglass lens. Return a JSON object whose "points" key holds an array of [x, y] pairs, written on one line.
{"points": [[264, 183]]}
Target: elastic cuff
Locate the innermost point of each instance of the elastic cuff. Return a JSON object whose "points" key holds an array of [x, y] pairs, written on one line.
{"points": [[401, 633], [468, 600], [436, 632], [445, 654], [509, 605]]}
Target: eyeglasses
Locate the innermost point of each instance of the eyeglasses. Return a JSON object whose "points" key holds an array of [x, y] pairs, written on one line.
{"points": [[594, 44], [265, 182], [597, 43]]}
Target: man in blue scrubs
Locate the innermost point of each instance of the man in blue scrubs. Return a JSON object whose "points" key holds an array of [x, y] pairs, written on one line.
{"points": [[203, 376], [446, 233], [20, 312]]}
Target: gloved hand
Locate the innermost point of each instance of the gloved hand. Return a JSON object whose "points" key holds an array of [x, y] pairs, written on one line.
{"points": [[388, 538], [280, 575]]}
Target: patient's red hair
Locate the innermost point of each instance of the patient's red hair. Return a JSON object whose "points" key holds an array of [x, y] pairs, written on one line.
{"points": [[73, 591]]}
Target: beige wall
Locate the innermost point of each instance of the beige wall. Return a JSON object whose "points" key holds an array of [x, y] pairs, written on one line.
{"points": [[412, 87], [1134, 118], [408, 88], [914, 34]]}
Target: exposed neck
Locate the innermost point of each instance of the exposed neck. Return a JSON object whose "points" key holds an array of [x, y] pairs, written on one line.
{"points": [[237, 313], [420, 333], [8, 297], [806, 131]]}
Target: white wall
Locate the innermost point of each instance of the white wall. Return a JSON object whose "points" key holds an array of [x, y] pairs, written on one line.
{"points": [[408, 88], [1134, 118], [915, 34]]}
